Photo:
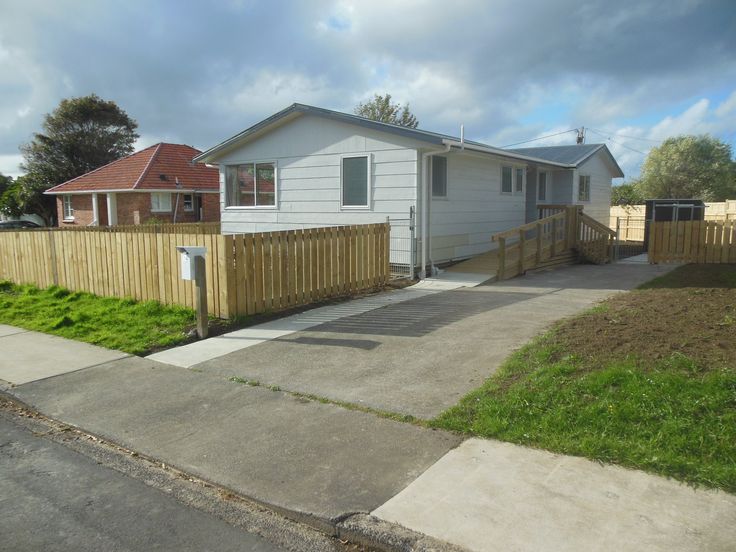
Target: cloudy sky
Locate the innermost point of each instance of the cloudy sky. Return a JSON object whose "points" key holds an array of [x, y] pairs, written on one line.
{"points": [[632, 72]]}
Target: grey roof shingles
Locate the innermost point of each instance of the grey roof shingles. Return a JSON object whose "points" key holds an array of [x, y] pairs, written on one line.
{"points": [[562, 155]]}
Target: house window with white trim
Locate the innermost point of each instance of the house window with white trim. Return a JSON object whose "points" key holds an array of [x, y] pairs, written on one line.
{"points": [[439, 176], [519, 181], [250, 185], [68, 208], [506, 180], [584, 187], [160, 202], [542, 187], [188, 202], [355, 182]]}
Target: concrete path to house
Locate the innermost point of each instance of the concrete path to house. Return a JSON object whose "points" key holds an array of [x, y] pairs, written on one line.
{"points": [[27, 356], [421, 355]]}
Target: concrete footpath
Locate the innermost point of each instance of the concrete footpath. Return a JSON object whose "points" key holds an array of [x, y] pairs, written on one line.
{"points": [[301, 436]]}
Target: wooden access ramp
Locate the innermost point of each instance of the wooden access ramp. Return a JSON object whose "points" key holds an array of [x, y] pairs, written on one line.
{"points": [[565, 237]]}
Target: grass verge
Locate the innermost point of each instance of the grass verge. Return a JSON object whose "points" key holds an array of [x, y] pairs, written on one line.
{"points": [[631, 382], [123, 324]]}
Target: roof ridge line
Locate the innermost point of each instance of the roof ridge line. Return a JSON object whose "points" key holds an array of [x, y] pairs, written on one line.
{"points": [[148, 166], [97, 169]]}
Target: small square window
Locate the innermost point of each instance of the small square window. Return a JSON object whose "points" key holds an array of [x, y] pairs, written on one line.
{"points": [[250, 185], [188, 202]]}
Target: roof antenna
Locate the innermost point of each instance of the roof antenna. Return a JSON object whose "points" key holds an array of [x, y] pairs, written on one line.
{"points": [[581, 136]]}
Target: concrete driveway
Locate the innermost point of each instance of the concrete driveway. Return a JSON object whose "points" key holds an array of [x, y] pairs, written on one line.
{"points": [[421, 356]]}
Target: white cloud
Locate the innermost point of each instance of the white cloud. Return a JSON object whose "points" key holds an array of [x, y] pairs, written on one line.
{"points": [[10, 165]]}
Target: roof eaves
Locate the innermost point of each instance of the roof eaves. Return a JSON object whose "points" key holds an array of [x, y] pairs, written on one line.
{"points": [[148, 166], [476, 146]]}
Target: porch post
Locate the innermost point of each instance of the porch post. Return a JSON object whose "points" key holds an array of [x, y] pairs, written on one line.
{"points": [[112, 210], [95, 211]]}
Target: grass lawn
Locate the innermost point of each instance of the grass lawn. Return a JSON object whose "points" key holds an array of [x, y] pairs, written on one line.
{"points": [[123, 324], [647, 380]]}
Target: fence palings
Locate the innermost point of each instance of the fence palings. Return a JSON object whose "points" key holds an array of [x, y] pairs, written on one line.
{"points": [[246, 274], [703, 241]]}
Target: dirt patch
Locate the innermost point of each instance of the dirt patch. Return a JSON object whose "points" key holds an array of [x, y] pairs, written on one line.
{"points": [[680, 315]]}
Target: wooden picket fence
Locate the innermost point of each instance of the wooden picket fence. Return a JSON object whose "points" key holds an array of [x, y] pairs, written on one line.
{"points": [[692, 242], [246, 274]]}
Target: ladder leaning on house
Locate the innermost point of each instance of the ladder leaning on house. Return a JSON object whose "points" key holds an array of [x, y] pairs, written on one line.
{"points": [[563, 235]]}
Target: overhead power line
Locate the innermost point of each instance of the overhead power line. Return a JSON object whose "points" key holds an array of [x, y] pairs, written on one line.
{"points": [[540, 138], [605, 132], [608, 137]]}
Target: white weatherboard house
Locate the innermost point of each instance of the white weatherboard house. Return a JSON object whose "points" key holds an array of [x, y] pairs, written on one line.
{"points": [[307, 166]]}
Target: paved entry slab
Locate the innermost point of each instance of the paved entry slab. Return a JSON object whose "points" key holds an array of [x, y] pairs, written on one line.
{"points": [[422, 355], [28, 356], [317, 459], [489, 496]]}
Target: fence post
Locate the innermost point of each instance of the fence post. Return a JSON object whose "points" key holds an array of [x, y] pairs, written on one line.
{"points": [[200, 282], [501, 257], [538, 259], [52, 256], [412, 245], [522, 253], [616, 251], [553, 247]]}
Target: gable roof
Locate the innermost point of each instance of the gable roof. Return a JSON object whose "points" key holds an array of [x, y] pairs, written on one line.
{"points": [[573, 155], [297, 109], [154, 168]]}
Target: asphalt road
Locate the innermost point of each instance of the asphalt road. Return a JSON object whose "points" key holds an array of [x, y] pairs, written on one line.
{"points": [[53, 498]]}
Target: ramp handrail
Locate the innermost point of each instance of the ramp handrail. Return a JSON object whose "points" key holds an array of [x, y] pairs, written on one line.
{"points": [[550, 236]]}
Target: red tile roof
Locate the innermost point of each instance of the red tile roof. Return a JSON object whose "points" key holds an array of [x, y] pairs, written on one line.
{"points": [[154, 168]]}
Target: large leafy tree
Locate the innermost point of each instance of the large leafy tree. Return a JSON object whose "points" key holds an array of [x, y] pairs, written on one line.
{"points": [[9, 197], [699, 167], [80, 135], [627, 194], [381, 109]]}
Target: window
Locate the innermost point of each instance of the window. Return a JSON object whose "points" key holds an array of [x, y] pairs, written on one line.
{"points": [[506, 175], [519, 181], [542, 187], [439, 176], [355, 180], [68, 209], [584, 188], [160, 202], [188, 202], [250, 185]]}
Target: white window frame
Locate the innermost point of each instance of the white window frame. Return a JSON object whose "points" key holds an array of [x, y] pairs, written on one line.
{"points": [[519, 190], [369, 182], [511, 191], [67, 206], [546, 185], [191, 204], [156, 205], [585, 199], [431, 178], [276, 186]]}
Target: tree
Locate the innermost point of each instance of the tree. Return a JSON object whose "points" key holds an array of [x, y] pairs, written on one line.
{"points": [[698, 167], [381, 109], [627, 194], [80, 135], [8, 197]]}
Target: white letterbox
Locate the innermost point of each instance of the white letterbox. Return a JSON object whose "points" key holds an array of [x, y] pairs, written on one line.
{"points": [[188, 254]]}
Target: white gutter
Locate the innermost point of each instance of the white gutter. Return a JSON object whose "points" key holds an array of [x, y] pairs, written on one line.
{"points": [[137, 191], [426, 198]]}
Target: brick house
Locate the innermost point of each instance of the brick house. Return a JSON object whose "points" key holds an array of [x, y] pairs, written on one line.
{"points": [[157, 183]]}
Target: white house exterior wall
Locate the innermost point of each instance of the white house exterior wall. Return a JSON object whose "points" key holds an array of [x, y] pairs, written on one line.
{"points": [[475, 208], [308, 153], [599, 205]]}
